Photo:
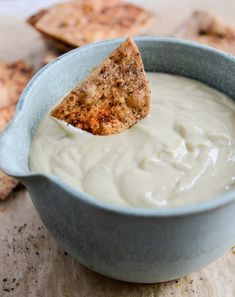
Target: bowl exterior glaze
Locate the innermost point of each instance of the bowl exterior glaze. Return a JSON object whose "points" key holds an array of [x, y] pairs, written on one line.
{"points": [[135, 245]]}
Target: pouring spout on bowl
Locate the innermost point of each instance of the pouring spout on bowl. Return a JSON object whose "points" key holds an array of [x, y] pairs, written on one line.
{"points": [[11, 154]]}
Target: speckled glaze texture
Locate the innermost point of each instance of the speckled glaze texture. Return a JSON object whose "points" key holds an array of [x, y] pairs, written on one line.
{"points": [[135, 245]]}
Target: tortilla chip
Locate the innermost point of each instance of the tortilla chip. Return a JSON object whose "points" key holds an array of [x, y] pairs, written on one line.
{"points": [[206, 28], [80, 22], [13, 78], [112, 98]]}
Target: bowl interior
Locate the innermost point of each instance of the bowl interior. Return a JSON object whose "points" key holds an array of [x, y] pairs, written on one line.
{"points": [[49, 85]]}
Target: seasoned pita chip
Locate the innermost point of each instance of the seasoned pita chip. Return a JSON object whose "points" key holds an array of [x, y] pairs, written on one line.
{"points": [[7, 184], [13, 78], [49, 57], [76, 23], [36, 17], [112, 98], [86, 5], [206, 28], [6, 114]]}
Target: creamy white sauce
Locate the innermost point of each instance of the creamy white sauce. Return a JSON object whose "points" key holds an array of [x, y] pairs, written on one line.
{"points": [[183, 152]]}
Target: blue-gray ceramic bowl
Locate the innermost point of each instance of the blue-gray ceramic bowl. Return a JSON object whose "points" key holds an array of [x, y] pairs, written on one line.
{"points": [[135, 245]]}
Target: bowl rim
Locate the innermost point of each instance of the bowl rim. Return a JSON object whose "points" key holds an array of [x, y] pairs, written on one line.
{"points": [[164, 212]]}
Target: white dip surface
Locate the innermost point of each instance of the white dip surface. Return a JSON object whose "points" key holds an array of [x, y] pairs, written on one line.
{"points": [[183, 152]]}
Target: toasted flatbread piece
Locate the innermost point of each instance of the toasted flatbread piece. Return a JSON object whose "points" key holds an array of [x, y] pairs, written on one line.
{"points": [[13, 78], [6, 114], [88, 5], [49, 57], [76, 23], [7, 184], [112, 98], [206, 28], [36, 17]]}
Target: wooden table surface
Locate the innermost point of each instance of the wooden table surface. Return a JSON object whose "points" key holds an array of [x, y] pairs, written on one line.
{"points": [[31, 263]]}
